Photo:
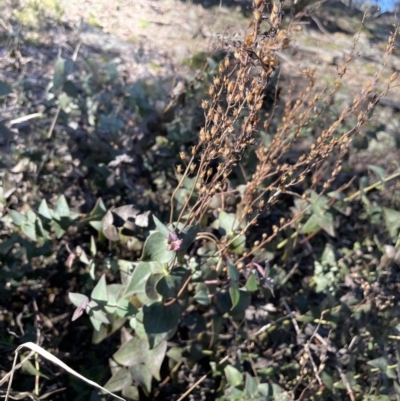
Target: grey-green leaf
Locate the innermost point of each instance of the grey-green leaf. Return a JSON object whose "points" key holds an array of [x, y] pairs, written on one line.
{"points": [[233, 376], [162, 228], [99, 293], [158, 318], [17, 218], [119, 380], [155, 249], [139, 277], [44, 210], [170, 284], [392, 220], [62, 207], [233, 271], [234, 294]]}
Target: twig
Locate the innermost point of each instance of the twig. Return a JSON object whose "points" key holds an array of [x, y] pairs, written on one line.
{"points": [[338, 366], [290, 314], [53, 123], [25, 118], [38, 337], [306, 345], [290, 274], [7, 375], [344, 379], [45, 354], [371, 187], [268, 326], [184, 395], [348, 199], [320, 26]]}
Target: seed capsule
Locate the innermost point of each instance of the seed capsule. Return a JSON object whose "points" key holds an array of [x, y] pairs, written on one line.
{"points": [[231, 86], [257, 15]]}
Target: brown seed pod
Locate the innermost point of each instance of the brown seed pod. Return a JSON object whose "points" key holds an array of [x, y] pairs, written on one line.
{"points": [[281, 35], [257, 15], [249, 40], [266, 59], [274, 14]]}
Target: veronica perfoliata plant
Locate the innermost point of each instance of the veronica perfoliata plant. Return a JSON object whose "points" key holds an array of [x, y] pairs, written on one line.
{"points": [[159, 291], [151, 297]]}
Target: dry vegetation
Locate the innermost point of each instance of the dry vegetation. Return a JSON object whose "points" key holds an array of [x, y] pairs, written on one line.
{"points": [[269, 268]]}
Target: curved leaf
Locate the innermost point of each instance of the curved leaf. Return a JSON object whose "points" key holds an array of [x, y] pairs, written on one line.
{"points": [[233, 376], [163, 229], [234, 294], [156, 249], [139, 277], [170, 284], [119, 380], [99, 293], [158, 318]]}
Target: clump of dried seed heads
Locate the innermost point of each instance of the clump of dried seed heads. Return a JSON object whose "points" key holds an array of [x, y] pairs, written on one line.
{"points": [[234, 113], [236, 95], [272, 177]]}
